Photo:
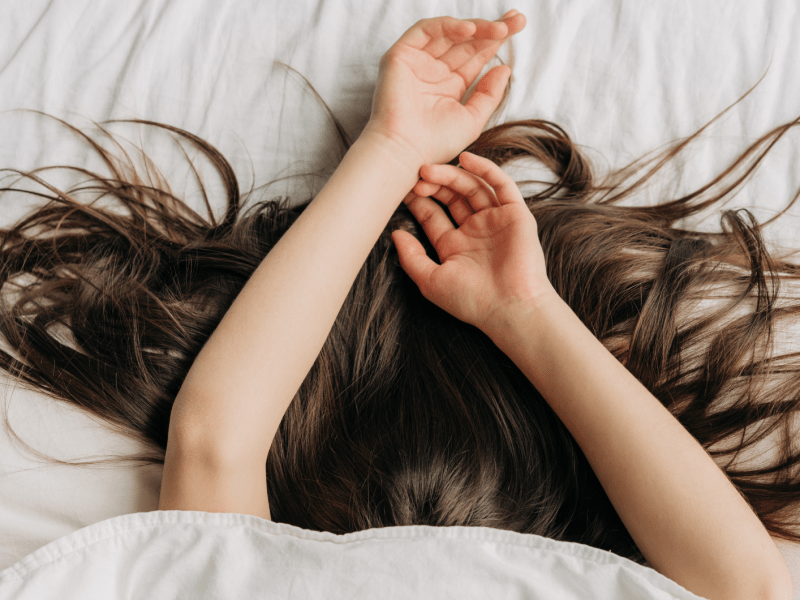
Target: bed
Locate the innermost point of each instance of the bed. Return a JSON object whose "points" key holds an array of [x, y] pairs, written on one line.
{"points": [[623, 78]]}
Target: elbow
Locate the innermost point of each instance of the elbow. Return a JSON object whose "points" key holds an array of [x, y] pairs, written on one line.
{"points": [[776, 586], [779, 586], [773, 582]]}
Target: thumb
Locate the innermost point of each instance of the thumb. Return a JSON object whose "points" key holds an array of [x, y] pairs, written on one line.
{"points": [[414, 260], [488, 94]]}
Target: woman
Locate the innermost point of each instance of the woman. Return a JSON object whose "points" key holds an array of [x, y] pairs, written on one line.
{"points": [[286, 331]]}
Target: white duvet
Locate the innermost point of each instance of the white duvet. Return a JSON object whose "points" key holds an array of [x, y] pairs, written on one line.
{"points": [[168, 555], [622, 76]]}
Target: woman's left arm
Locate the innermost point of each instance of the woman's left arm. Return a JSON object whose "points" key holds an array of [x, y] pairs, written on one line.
{"points": [[233, 399]]}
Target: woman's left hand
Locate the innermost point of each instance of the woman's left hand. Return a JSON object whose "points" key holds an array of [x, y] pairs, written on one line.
{"points": [[492, 266], [423, 78]]}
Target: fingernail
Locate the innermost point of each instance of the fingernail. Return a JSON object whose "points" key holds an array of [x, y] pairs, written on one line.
{"points": [[510, 13]]}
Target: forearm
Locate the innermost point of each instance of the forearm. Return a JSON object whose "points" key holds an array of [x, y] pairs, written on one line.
{"points": [[681, 510], [241, 383]]}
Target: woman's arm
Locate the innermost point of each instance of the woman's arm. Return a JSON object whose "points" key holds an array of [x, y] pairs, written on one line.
{"points": [[684, 514], [234, 396], [236, 392], [686, 517]]}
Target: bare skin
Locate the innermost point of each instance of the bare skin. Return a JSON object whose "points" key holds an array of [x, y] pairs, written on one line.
{"points": [[230, 405], [686, 517], [684, 514]]}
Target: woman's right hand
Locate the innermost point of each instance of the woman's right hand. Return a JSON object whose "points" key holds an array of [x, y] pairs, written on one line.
{"points": [[491, 263]]}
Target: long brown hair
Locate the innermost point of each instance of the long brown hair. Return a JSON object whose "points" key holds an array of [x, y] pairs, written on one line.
{"points": [[409, 416]]}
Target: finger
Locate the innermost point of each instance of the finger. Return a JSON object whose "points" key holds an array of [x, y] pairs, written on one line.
{"points": [[505, 189], [448, 30], [415, 262], [515, 21], [431, 216], [472, 53], [469, 58], [424, 188], [489, 30], [457, 204], [477, 193], [485, 31], [488, 94]]}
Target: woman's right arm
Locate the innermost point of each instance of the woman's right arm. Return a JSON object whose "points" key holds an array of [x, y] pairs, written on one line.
{"points": [[686, 517]]}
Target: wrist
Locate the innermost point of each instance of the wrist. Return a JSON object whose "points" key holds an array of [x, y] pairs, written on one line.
{"points": [[400, 151], [526, 320]]}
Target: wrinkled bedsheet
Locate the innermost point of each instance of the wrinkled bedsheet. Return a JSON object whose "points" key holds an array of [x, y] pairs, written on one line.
{"points": [[622, 77], [181, 554]]}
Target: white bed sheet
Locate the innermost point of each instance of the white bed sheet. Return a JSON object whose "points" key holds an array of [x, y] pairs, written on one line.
{"points": [[623, 77], [181, 554]]}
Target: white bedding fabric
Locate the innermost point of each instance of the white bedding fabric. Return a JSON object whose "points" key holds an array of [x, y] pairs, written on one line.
{"points": [[175, 554], [623, 78]]}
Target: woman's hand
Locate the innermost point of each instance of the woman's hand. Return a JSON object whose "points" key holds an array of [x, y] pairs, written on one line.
{"points": [[492, 263], [423, 78]]}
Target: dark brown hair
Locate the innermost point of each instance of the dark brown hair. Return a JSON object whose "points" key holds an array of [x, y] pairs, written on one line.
{"points": [[409, 416]]}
